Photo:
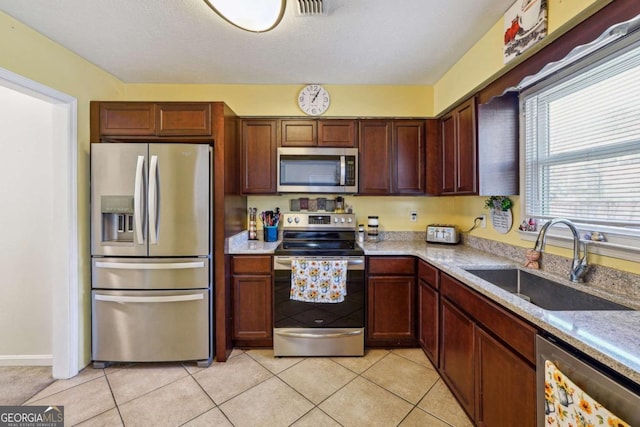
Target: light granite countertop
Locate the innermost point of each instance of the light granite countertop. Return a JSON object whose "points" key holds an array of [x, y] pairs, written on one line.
{"points": [[611, 337]]}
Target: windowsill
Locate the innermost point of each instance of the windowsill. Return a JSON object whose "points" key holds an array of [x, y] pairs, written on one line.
{"points": [[564, 239]]}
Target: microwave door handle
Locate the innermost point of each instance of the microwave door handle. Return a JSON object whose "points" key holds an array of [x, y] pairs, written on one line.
{"points": [[138, 199], [343, 170]]}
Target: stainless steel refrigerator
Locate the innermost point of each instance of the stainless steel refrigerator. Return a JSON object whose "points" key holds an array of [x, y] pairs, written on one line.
{"points": [[151, 247]]}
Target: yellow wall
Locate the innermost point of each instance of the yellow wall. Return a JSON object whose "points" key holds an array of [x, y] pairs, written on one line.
{"points": [[393, 212], [28, 53], [274, 100], [484, 60]]}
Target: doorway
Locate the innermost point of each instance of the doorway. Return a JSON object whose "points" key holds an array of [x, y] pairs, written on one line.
{"points": [[39, 253]]}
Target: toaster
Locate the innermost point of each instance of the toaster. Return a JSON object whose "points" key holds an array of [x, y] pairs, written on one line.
{"points": [[442, 233]]}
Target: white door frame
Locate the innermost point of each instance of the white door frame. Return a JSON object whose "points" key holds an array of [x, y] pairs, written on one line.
{"points": [[65, 284]]}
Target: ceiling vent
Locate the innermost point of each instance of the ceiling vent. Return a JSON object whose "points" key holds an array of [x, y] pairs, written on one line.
{"points": [[311, 8]]}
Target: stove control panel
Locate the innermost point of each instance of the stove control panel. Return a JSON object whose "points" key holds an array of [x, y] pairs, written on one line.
{"points": [[318, 220]]}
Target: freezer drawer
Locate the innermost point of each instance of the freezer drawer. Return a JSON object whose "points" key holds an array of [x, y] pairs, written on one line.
{"points": [[149, 273], [150, 326]]}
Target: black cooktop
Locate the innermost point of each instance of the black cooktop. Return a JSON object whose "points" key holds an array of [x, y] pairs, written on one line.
{"points": [[319, 248]]}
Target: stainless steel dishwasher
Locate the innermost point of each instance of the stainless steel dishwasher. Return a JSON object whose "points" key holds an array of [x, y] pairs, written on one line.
{"points": [[618, 395]]}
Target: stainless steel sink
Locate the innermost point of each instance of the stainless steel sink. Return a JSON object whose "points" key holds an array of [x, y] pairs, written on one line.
{"points": [[543, 292]]}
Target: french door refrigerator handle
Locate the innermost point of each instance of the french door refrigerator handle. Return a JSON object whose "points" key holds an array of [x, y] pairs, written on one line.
{"points": [[153, 200], [137, 200], [150, 266], [149, 299]]}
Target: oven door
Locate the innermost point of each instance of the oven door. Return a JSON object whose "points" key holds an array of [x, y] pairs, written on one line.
{"points": [[289, 313], [319, 329]]}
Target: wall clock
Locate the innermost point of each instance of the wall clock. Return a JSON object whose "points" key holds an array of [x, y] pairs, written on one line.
{"points": [[313, 100]]}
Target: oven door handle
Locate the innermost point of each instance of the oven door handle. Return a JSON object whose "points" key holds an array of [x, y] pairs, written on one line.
{"points": [[318, 335], [286, 262]]}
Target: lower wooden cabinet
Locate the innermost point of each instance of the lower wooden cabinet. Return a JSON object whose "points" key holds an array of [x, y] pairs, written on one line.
{"points": [[252, 285], [505, 385], [428, 310], [391, 314], [457, 355], [487, 357]]}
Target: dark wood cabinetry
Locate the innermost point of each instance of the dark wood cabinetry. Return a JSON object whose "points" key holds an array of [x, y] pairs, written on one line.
{"points": [[374, 162], [392, 157], [487, 357], [459, 150], [259, 149], [428, 310], [182, 119], [337, 133], [132, 119], [391, 301], [457, 354], [505, 385], [126, 118], [252, 300], [321, 133], [299, 133]]}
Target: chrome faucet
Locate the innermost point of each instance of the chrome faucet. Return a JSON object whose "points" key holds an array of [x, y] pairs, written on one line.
{"points": [[579, 266]]}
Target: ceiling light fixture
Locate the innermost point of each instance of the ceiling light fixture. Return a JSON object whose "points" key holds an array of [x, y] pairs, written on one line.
{"points": [[256, 16]]}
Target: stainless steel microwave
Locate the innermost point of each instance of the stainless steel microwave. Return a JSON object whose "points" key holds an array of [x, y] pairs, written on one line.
{"points": [[317, 170]]}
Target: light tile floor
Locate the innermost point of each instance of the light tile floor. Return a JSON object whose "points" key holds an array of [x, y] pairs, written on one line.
{"points": [[384, 388]]}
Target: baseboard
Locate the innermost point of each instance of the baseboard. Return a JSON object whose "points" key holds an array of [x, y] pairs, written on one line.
{"points": [[26, 360]]}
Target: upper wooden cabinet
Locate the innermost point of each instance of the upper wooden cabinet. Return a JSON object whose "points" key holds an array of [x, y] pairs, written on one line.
{"points": [[459, 150], [127, 118], [479, 148], [183, 119], [374, 161], [320, 133], [113, 119], [298, 133], [392, 157], [337, 133], [259, 148]]}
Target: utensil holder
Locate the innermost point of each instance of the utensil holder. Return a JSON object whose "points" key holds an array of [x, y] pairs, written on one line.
{"points": [[270, 233]]}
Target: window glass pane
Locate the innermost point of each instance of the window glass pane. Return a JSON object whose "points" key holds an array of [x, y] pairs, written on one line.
{"points": [[582, 145]]}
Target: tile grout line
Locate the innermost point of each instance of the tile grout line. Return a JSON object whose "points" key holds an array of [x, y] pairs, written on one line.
{"points": [[215, 405], [115, 402]]}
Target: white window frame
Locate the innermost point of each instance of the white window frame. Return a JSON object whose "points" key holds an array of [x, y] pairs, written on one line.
{"points": [[621, 242]]}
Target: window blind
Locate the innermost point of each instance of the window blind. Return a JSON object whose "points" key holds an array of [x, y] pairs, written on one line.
{"points": [[582, 144]]}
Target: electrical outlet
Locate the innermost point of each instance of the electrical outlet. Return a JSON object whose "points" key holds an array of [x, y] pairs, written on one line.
{"points": [[413, 215], [483, 221]]}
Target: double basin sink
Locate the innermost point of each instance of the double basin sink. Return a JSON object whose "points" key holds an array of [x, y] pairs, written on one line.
{"points": [[543, 292]]}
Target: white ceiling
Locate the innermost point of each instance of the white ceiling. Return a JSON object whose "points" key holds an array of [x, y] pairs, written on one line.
{"points": [[395, 42]]}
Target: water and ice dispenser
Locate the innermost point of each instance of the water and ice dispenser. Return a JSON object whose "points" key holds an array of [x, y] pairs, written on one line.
{"points": [[117, 218]]}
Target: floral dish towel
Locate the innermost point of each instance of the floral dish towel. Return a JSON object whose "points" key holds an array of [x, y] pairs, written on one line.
{"points": [[566, 405], [323, 281]]}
